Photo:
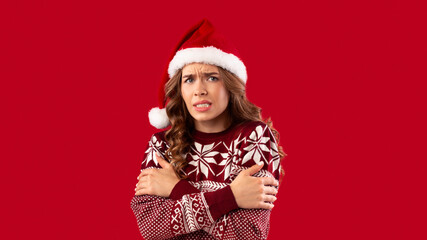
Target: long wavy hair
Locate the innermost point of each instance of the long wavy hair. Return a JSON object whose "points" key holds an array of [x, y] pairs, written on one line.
{"points": [[182, 123]]}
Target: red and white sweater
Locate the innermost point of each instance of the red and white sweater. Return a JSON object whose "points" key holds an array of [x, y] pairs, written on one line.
{"points": [[203, 205]]}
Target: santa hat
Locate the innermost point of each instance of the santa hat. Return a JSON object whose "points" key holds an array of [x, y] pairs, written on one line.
{"points": [[202, 43]]}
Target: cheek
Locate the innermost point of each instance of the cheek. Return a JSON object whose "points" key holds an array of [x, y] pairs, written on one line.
{"points": [[224, 97], [185, 96]]}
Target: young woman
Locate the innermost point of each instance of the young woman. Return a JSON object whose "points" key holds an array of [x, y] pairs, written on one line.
{"points": [[215, 172]]}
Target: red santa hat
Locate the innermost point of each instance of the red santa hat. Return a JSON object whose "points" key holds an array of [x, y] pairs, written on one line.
{"points": [[202, 43]]}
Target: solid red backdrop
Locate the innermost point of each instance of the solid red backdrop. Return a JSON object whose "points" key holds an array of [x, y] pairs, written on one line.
{"points": [[344, 83]]}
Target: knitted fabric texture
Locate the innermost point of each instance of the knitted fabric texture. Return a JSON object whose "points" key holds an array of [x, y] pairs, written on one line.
{"points": [[203, 205]]}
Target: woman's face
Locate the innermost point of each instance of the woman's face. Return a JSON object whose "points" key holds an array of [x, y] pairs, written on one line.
{"points": [[205, 95]]}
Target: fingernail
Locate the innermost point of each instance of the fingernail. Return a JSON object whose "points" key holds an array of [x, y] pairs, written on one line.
{"points": [[158, 154], [260, 163], [137, 178]]}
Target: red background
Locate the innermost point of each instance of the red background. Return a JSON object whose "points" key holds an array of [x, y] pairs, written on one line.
{"points": [[344, 83]]}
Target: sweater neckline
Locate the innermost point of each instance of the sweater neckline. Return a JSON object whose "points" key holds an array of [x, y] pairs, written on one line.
{"points": [[204, 135]]}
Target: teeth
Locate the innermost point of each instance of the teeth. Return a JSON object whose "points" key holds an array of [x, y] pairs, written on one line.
{"points": [[202, 105]]}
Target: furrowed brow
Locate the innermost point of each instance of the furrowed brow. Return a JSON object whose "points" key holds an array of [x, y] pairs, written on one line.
{"points": [[205, 74]]}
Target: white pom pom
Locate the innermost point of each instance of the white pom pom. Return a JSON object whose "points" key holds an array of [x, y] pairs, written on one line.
{"points": [[158, 118]]}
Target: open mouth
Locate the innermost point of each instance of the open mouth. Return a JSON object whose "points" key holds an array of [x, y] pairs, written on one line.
{"points": [[202, 106]]}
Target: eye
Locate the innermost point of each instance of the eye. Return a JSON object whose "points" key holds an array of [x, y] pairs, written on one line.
{"points": [[213, 78], [188, 80]]}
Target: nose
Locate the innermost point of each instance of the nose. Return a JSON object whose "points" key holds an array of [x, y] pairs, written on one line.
{"points": [[200, 88]]}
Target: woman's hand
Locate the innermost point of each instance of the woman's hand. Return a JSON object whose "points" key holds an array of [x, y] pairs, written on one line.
{"points": [[157, 181], [254, 192]]}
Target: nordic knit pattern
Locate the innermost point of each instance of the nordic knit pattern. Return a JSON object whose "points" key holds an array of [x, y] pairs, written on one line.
{"points": [[203, 206]]}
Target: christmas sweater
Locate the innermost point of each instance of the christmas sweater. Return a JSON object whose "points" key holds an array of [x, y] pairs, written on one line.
{"points": [[202, 206]]}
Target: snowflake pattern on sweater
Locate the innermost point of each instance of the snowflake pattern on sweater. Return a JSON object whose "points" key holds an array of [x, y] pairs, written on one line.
{"points": [[203, 205]]}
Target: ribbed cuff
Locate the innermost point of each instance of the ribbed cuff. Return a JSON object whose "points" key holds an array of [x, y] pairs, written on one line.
{"points": [[182, 188], [221, 202]]}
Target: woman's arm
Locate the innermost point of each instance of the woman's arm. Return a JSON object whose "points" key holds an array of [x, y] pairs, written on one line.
{"points": [[243, 223], [159, 217], [260, 146], [214, 212]]}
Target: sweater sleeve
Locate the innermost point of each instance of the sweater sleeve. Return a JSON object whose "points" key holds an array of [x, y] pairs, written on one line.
{"points": [[182, 188], [260, 145], [160, 218], [189, 210]]}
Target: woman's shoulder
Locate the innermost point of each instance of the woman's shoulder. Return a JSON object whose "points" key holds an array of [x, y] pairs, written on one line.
{"points": [[253, 124], [160, 134], [255, 131], [156, 144], [158, 138], [258, 144], [249, 127]]}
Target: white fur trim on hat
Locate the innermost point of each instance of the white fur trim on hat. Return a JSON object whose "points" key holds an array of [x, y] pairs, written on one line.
{"points": [[208, 55], [158, 118]]}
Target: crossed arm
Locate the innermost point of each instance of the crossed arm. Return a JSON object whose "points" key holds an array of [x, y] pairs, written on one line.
{"points": [[240, 210]]}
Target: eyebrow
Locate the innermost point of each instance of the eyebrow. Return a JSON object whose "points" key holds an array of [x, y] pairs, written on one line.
{"points": [[205, 74]]}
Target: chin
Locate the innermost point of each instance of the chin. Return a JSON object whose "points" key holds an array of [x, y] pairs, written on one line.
{"points": [[201, 117]]}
